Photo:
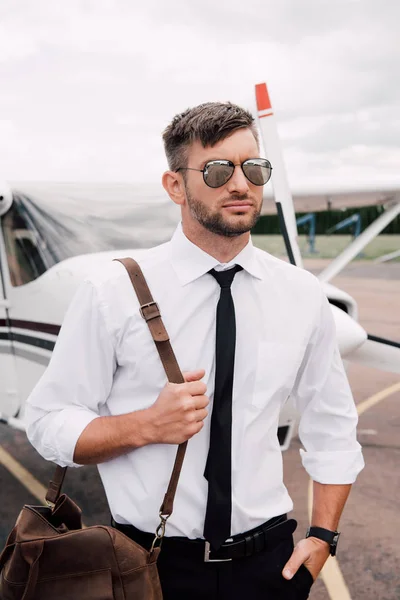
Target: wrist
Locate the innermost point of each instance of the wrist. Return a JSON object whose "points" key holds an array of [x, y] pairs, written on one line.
{"points": [[319, 542], [326, 536], [144, 430]]}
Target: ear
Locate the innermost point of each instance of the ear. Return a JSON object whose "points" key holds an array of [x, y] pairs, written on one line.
{"points": [[173, 185]]}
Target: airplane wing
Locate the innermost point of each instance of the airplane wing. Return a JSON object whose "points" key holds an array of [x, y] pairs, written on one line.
{"points": [[280, 185]]}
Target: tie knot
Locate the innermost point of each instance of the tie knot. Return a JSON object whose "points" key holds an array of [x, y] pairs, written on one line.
{"points": [[225, 278]]}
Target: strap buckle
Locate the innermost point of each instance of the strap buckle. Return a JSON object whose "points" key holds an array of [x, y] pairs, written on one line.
{"points": [[207, 550], [153, 314], [160, 532]]}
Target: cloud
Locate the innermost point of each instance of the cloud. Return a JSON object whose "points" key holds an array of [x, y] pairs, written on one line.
{"points": [[331, 132], [7, 129], [91, 84]]}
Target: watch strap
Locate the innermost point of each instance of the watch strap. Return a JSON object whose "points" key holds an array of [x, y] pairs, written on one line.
{"points": [[331, 537]]}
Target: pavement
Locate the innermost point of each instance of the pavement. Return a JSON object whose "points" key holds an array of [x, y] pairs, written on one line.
{"points": [[369, 548]]}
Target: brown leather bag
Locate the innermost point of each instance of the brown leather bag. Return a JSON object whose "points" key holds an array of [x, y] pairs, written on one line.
{"points": [[48, 556]]}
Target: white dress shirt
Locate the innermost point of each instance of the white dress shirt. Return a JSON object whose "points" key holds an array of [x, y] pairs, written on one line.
{"points": [[105, 363]]}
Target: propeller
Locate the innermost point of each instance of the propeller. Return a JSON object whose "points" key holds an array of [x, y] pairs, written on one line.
{"points": [[350, 334], [378, 353], [354, 343], [280, 185]]}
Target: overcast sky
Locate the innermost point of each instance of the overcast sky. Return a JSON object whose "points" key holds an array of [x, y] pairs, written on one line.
{"points": [[87, 86]]}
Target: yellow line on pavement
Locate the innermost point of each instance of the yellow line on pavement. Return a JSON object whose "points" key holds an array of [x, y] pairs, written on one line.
{"points": [[334, 581], [331, 574], [363, 406], [19, 472], [27, 479]]}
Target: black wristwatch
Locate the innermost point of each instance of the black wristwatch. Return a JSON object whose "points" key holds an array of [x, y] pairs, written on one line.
{"points": [[326, 535]]}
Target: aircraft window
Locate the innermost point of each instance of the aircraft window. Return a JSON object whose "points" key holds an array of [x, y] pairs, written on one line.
{"points": [[23, 247], [61, 221], [79, 222]]}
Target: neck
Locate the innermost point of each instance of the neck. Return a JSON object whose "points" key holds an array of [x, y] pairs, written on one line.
{"points": [[223, 248]]}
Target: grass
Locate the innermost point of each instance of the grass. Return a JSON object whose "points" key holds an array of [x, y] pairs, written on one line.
{"points": [[329, 246]]}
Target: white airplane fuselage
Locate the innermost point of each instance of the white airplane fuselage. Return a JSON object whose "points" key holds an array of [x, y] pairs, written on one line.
{"points": [[31, 315]]}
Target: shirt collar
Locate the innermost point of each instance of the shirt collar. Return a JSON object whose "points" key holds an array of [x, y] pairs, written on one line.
{"points": [[191, 262]]}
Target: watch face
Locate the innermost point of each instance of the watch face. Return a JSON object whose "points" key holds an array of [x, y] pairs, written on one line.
{"points": [[334, 543]]}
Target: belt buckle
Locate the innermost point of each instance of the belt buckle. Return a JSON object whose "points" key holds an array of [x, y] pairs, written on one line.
{"points": [[207, 558]]}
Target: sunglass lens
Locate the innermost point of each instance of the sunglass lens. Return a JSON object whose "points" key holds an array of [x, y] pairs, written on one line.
{"points": [[218, 172], [257, 170]]}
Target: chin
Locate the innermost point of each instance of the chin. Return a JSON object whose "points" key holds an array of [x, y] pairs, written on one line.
{"points": [[240, 221], [235, 229]]}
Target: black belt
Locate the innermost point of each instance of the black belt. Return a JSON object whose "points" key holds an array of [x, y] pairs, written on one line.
{"points": [[264, 537]]}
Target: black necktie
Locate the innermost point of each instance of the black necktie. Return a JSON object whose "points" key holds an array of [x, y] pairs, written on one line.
{"points": [[217, 525]]}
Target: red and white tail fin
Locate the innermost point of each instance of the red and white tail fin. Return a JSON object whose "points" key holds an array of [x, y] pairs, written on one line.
{"points": [[282, 195]]}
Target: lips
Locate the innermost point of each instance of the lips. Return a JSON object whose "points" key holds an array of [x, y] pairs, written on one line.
{"points": [[238, 205]]}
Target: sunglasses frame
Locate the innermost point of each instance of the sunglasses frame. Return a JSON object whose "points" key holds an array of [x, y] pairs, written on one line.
{"points": [[230, 164]]}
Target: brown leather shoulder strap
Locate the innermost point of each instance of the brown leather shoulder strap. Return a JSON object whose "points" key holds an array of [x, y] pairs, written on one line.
{"points": [[54, 489], [151, 314]]}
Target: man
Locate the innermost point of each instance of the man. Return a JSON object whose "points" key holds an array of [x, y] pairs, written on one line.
{"points": [[248, 331]]}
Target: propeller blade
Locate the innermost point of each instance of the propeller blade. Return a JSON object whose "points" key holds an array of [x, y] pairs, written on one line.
{"points": [[280, 185], [359, 243], [378, 354]]}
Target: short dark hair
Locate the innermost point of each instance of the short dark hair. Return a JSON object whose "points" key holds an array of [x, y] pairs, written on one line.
{"points": [[207, 123]]}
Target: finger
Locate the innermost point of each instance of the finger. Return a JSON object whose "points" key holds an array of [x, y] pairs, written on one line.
{"points": [[193, 375], [201, 414], [196, 427], [201, 402], [297, 558], [194, 388]]}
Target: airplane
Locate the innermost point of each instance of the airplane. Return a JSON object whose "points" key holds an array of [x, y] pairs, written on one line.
{"points": [[51, 238]]}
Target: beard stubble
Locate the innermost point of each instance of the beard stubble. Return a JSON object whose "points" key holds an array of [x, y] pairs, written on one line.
{"points": [[215, 222]]}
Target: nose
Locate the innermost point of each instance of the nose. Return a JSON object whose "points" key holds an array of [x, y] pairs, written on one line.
{"points": [[238, 182]]}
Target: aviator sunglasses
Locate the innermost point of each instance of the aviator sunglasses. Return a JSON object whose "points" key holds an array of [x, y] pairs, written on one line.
{"points": [[218, 172]]}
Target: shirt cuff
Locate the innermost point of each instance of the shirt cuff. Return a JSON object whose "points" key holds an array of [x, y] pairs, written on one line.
{"points": [[66, 430], [340, 468]]}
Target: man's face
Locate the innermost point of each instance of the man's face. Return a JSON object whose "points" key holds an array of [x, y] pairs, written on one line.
{"points": [[233, 208]]}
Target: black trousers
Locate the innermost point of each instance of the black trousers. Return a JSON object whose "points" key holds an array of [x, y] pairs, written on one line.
{"points": [[256, 577]]}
